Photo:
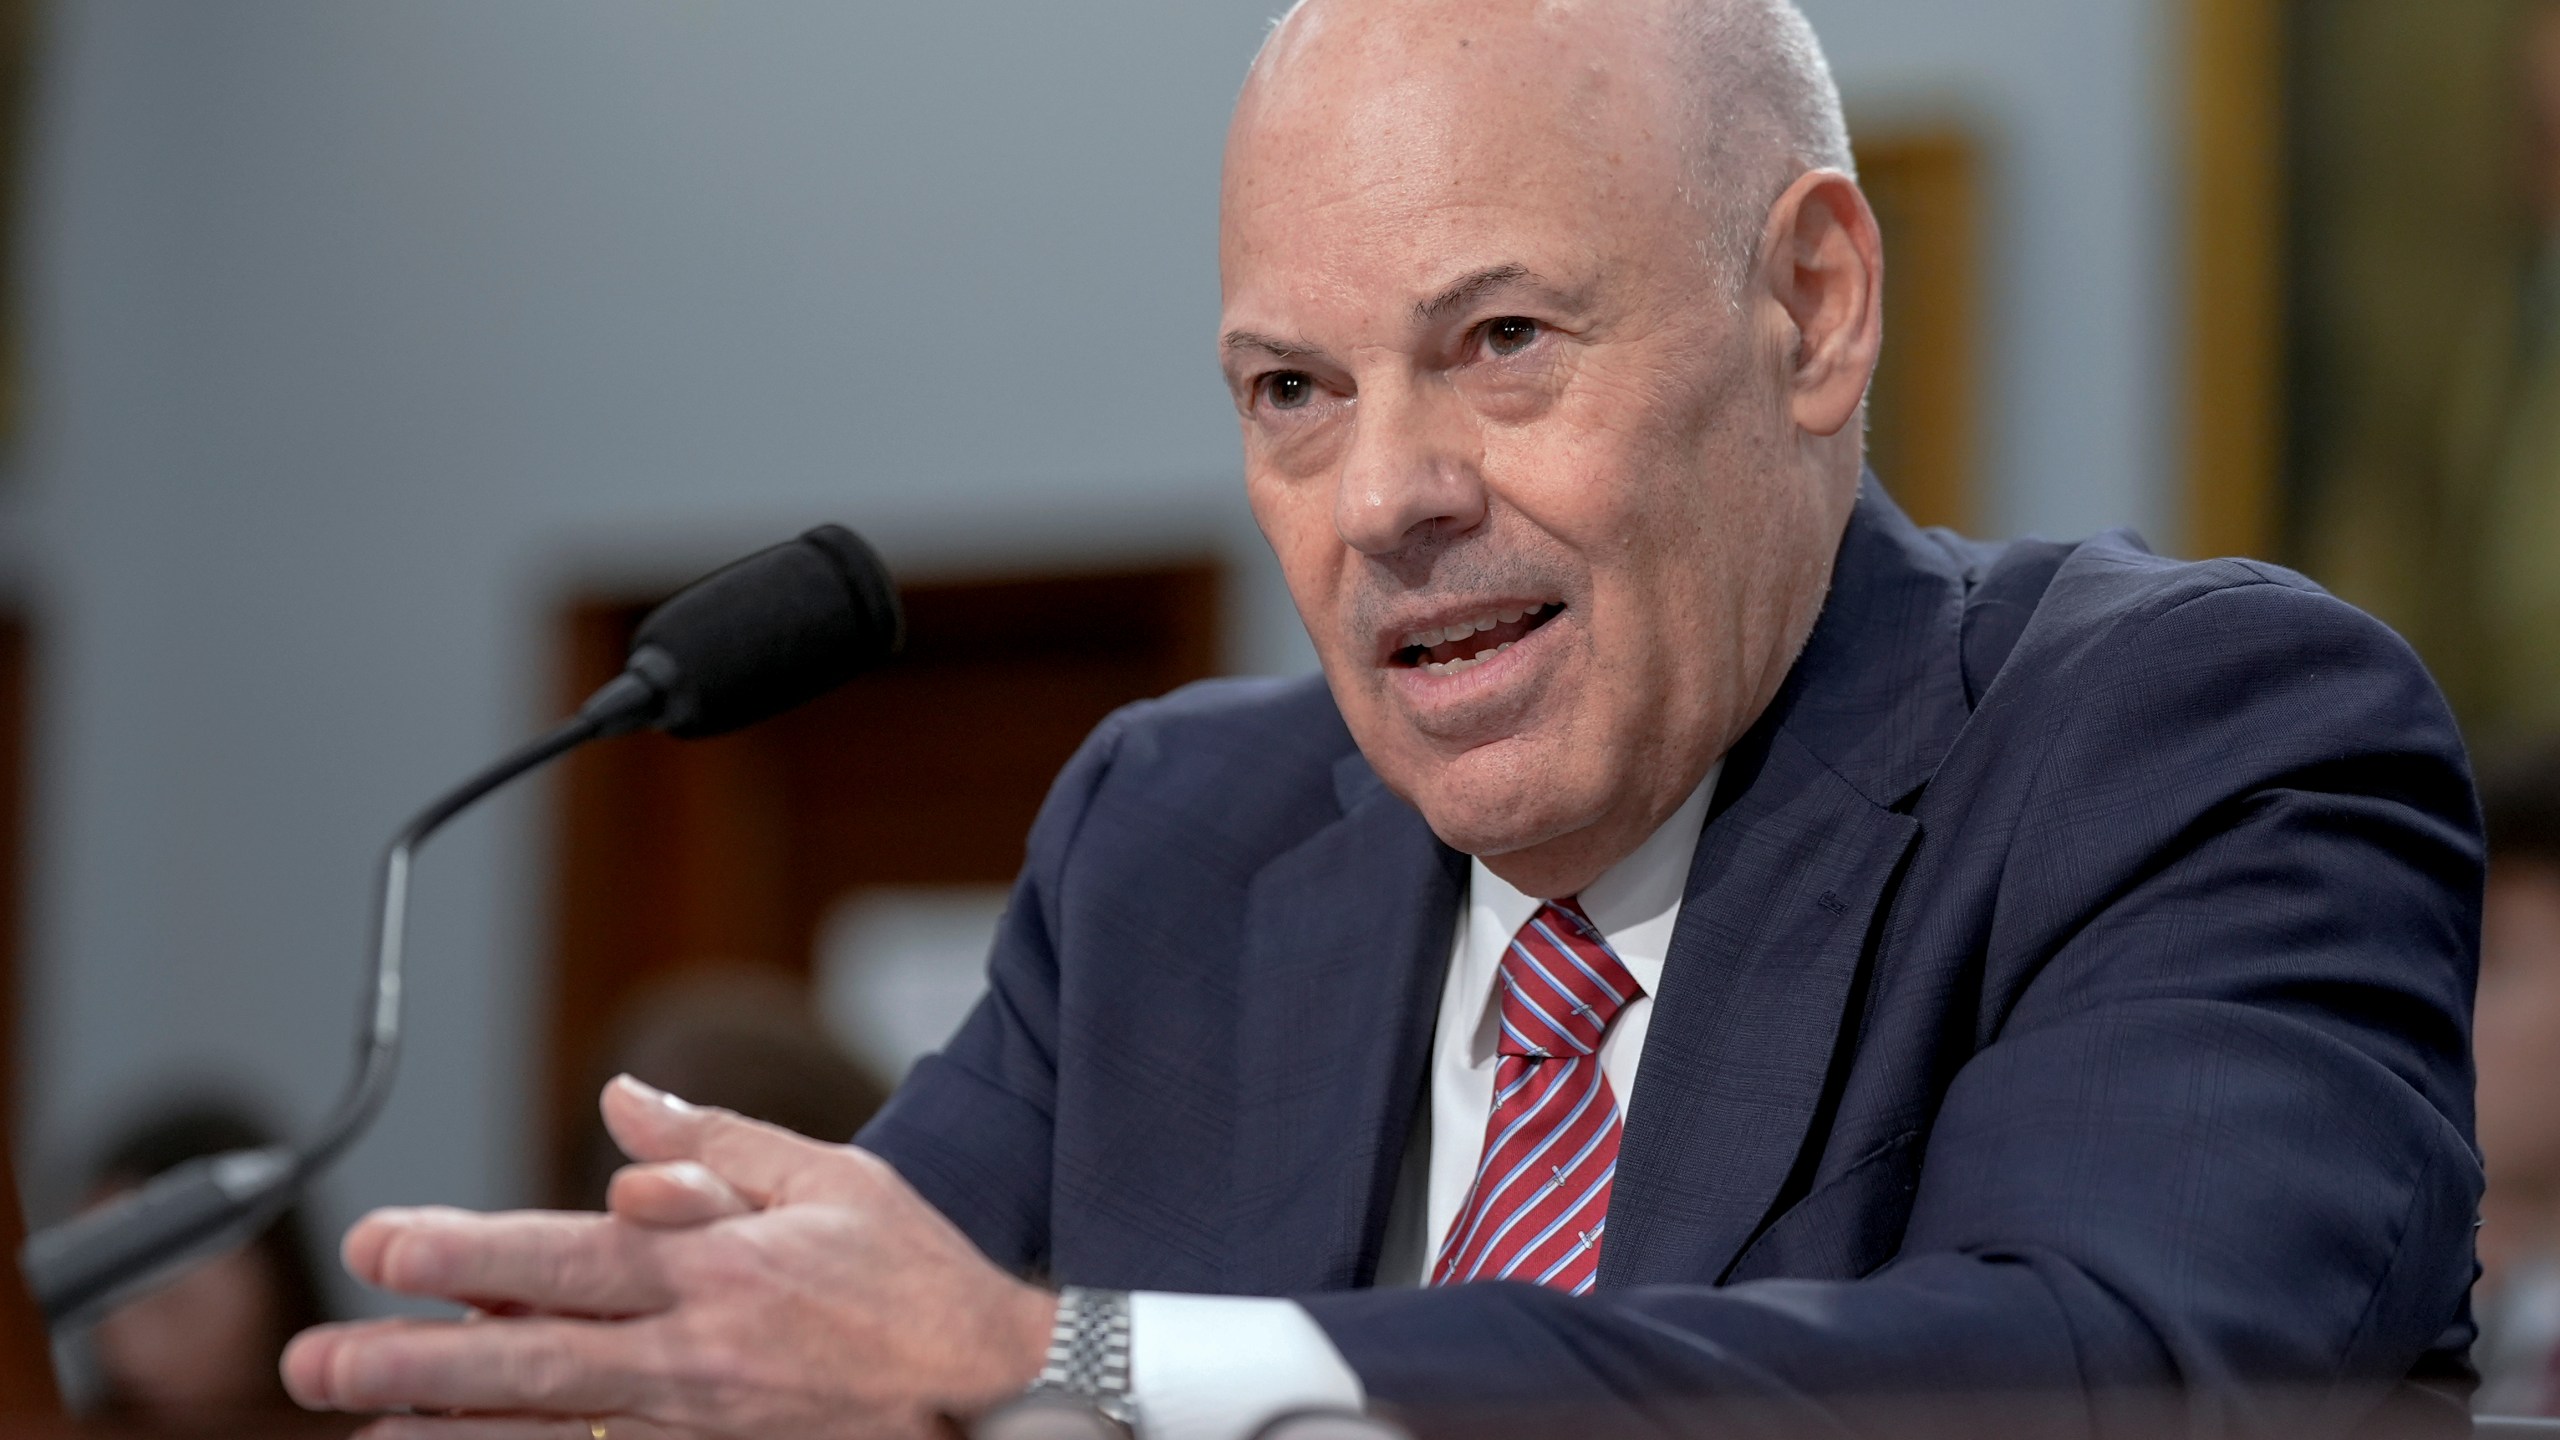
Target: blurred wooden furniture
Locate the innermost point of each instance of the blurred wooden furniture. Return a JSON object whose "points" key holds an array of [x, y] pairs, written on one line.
{"points": [[26, 1352], [22, 26], [671, 854]]}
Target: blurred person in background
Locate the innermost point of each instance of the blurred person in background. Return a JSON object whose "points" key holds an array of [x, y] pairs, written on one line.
{"points": [[200, 1353], [743, 1038], [2517, 1042]]}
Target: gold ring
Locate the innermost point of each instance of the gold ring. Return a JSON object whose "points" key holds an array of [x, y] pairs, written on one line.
{"points": [[596, 1429]]}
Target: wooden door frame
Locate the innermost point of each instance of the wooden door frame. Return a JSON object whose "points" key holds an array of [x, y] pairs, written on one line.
{"points": [[1926, 175], [26, 1352], [2232, 391]]}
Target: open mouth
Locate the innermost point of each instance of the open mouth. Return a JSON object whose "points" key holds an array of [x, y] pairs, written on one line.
{"points": [[1469, 643]]}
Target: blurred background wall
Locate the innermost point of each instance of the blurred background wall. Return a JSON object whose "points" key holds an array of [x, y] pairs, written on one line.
{"points": [[362, 340], [2423, 475]]}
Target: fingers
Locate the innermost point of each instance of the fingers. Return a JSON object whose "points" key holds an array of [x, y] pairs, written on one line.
{"points": [[504, 1367], [764, 1164], [561, 1263], [648, 1123], [672, 1194]]}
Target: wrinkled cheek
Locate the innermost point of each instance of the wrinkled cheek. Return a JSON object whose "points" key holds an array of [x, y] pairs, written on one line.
{"points": [[1311, 565], [1376, 725], [1294, 515], [1331, 621]]}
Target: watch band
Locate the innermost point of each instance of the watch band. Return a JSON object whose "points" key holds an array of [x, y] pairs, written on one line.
{"points": [[1089, 1353]]}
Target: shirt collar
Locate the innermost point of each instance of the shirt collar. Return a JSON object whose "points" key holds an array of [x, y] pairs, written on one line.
{"points": [[1634, 905]]}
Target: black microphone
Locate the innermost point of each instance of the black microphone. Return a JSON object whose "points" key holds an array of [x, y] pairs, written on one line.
{"points": [[742, 644]]}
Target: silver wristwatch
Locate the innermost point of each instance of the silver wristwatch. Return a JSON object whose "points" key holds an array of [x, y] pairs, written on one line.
{"points": [[1089, 1354]]}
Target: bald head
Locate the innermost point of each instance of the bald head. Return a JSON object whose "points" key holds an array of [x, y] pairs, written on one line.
{"points": [[1742, 86], [1763, 107]]}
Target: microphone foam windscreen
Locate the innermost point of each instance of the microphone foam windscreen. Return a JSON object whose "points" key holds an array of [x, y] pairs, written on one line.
{"points": [[778, 628]]}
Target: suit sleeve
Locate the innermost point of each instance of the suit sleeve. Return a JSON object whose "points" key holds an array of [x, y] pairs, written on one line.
{"points": [[2213, 1169], [971, 1127]]}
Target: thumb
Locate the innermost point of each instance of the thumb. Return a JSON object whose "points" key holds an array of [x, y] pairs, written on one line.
{"points": [[764, 1164], [675, 1195]]}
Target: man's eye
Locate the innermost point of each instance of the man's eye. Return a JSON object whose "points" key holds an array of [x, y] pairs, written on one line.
{"points": [[1288, 390], [1510, 335]]}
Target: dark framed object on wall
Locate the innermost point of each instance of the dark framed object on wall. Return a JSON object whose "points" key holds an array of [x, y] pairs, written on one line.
{"points": [[671, 855]]}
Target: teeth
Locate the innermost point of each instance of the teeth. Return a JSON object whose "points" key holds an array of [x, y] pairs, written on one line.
{"points": [[1428, 639], [1452, 667], [1460, 631]]}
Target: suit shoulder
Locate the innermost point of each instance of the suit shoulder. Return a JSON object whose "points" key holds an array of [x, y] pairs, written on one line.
{"points": [[1240, 764], [2225, 675], [2110, 595], [1256, 723]]}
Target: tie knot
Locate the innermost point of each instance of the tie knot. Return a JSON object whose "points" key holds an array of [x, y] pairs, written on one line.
{"points": [[1561, 985]]}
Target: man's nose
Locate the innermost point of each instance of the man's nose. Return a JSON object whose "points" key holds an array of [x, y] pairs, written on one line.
{"points": [[1411, 473]]}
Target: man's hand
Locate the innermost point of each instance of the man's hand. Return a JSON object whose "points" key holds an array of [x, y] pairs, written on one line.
{"points": [[749, 1283]]}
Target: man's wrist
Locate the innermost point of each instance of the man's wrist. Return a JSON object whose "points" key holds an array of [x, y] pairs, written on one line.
{"points": [[1019, 1332], [1027, 1337], [1086, 1360]]}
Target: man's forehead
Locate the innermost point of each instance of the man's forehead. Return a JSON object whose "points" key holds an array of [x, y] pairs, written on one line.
{"points": [[1396, 256], [1415, 232], [1482, 65], [1396, 117], [1319, 32], [1408, 133]]}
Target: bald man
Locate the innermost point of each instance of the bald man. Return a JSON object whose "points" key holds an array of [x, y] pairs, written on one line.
{"points": [[1708, 955]]}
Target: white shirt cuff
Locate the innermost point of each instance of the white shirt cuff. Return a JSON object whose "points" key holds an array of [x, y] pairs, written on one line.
{"points": [[1219, 1367]]}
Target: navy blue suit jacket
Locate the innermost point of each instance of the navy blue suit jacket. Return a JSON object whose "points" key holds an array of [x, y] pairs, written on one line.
{"points": [[2071, 1000]]}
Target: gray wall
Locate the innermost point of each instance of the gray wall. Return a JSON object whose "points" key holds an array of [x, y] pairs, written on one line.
{"points": [[365, 332], [2074, 103]]}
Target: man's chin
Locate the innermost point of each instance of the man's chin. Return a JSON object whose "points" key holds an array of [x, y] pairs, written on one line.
{"points": [[1495, 800]]}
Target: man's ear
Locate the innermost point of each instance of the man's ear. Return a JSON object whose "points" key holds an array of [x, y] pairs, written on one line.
{"points": [[1825, 267]]}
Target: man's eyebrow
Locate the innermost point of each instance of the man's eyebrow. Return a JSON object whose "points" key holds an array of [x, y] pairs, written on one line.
{"points": [[1269, 344], [1456, 296], [1468, 289]]}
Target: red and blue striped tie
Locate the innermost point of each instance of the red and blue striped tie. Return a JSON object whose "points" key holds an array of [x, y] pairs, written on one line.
{"points": [[1541, 1195]]}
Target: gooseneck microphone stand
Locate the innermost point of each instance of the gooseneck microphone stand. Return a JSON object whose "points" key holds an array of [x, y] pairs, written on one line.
{"points": [[773, 630], [84, 1267], [625, 705]]}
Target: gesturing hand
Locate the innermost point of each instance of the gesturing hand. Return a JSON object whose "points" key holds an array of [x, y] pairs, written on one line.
{"points": [[750, 1283]]}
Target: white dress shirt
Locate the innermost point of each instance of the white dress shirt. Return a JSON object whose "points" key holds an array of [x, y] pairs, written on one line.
{"points": [[1218, 1367]]}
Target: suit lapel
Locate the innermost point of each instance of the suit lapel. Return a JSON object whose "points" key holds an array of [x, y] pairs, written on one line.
{"points": [[1347, 946], [1758, 980], [1776, 929]]}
